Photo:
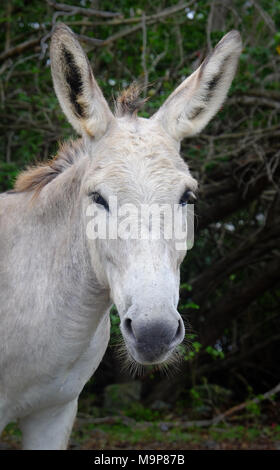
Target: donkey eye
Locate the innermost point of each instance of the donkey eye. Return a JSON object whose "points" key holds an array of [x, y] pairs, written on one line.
{"points": [[96, 197], [188, 196]]}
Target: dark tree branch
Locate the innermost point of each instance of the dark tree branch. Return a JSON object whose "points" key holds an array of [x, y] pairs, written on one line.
{"points": [[129, 30], [262, 241], [235, 301], [229, 204], [83, 11], [22, 47]]}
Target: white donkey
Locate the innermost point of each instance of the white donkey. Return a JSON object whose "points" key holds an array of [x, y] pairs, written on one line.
{"points": [[56, 284]]}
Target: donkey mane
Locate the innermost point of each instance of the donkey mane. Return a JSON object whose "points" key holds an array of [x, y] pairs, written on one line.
{"points": [[129, 101], [35, 177]]}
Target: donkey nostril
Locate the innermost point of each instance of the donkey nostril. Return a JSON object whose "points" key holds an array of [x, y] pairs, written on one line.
{"points": [[179, 332], [127, 325]]}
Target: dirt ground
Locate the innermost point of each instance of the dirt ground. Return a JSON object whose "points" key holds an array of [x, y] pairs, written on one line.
{"points": [[242, 432]]}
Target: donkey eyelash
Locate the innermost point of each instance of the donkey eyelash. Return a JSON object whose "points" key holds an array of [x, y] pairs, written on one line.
{"points": [[98, 199], [187, 197]]}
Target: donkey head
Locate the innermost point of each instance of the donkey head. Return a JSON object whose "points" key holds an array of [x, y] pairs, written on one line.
{"points": [[136, 161]]}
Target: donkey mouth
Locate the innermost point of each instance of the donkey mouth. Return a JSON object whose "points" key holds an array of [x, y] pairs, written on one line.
{"points": [[146, 354]]}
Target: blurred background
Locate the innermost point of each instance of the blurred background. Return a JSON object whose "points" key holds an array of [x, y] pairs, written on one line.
{"points": [[224, 392]]}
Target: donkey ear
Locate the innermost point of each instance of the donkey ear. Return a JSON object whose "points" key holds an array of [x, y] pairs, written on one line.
{"points": [[78, 93], [191, 106]]}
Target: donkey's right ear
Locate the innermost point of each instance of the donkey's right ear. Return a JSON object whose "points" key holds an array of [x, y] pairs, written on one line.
{"points": [[78, 92]]}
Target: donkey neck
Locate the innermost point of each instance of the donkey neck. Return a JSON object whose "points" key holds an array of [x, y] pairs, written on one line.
{"points": [[63, 283], [78, 295]]}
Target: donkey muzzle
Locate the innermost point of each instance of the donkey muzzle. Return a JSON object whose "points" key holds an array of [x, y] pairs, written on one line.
{"points": [[150, 339]]}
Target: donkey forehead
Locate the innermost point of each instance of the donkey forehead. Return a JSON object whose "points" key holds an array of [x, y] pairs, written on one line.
{"points": [[142, 137], [137, 152]]}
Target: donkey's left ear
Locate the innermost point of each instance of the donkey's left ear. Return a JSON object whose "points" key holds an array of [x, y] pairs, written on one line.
{"points": [[78, 93], [191, 106]]}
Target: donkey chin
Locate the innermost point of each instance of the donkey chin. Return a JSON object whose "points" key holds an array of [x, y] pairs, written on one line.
{"points": [[152, 342]]}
